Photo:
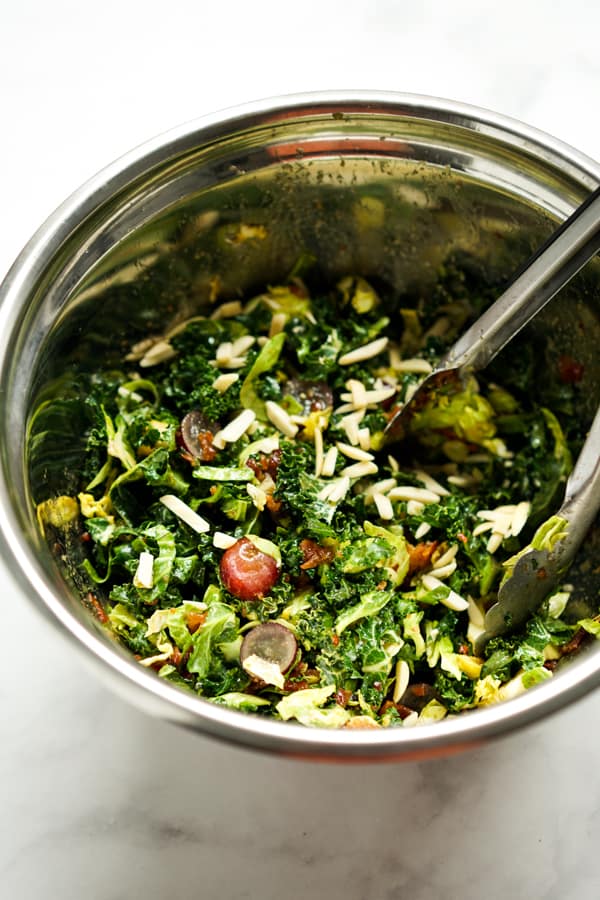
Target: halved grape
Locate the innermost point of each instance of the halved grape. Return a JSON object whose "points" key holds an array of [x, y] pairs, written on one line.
{"points": [[311, 395], [272, 642], [247, 572], [195, 434]]}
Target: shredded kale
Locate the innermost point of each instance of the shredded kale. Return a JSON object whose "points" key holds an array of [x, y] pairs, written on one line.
{"points": [[372, 590]]}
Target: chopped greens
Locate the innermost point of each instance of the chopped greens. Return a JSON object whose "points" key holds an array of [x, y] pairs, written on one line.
{"points": [[271, 505]]}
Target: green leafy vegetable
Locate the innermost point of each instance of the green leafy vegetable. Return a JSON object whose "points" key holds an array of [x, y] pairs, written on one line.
{"points": [[219, 619], [264, 362], [305, 707], [370, 605], [382, 597]]}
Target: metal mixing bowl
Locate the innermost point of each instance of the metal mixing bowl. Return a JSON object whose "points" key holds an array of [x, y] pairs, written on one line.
{"points": [[381, 185]]}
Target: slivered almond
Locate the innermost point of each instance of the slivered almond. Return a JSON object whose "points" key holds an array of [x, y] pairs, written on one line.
{"points": [[478, 458], [476, 616], [335, 491], [350, 425], [520, 517], [394, 356], [227, 310], [224, 352], [361, 399], [235, 429], [414, 366], [340, 489], [496, 513], [410, 392], [329, 461], [461, 480], [483, 527], [223, 541], [452, 600], [494, 542], [379, 395], [402, 679], [131, 395], [360, 470], [278, 321], [501, 521], [185, 513], [366, 351], [408, 492], [235, 362], [345, 408], [257, 495], [280, 419], [364, 438], [143, 577], [357, 395], [442, 572], [325, 492], [158, 353], [224, 381], [446, 557], [140, 348], [384, 506], [354, 452], [242, 345], [431, 484], [319, 458], [381, 487]]}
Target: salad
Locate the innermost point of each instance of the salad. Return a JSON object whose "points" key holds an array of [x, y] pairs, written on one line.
{"points": [[248, 537]]}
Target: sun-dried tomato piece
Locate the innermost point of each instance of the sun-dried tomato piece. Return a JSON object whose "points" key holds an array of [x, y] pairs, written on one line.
{"points": [[569, 370], [263, 465], [195, 436], [315, 554], [342, 697], [574, 643], [403, 711], [419, 556], [194, 620]]}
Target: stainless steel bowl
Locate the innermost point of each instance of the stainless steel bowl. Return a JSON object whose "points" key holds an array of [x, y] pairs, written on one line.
{"points": [[384, 185]]}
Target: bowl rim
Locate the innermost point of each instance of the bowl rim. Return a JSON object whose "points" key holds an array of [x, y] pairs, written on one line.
{"points": [[128, 676]]}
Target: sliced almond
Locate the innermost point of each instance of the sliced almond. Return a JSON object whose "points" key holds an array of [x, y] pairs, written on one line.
{"points": [[185, 513], [366, 351], [280, 419]]}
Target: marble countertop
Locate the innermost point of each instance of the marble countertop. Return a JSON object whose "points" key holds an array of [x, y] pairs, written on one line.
{"points": [[100, 801]]}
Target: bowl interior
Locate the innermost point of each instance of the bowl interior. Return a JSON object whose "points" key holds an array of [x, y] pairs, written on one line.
{"points": [[386, 190]]}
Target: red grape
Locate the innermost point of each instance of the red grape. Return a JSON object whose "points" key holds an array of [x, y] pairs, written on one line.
{"points": [[247, 572]]}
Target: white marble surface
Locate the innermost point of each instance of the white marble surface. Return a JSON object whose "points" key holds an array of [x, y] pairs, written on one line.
{"points": [[98, 801]]}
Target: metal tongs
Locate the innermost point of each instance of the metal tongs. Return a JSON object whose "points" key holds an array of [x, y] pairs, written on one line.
{"points": [[536, 571]]}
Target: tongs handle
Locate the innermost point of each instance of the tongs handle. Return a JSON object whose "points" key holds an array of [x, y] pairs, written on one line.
{"points": [[557, 261]]}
